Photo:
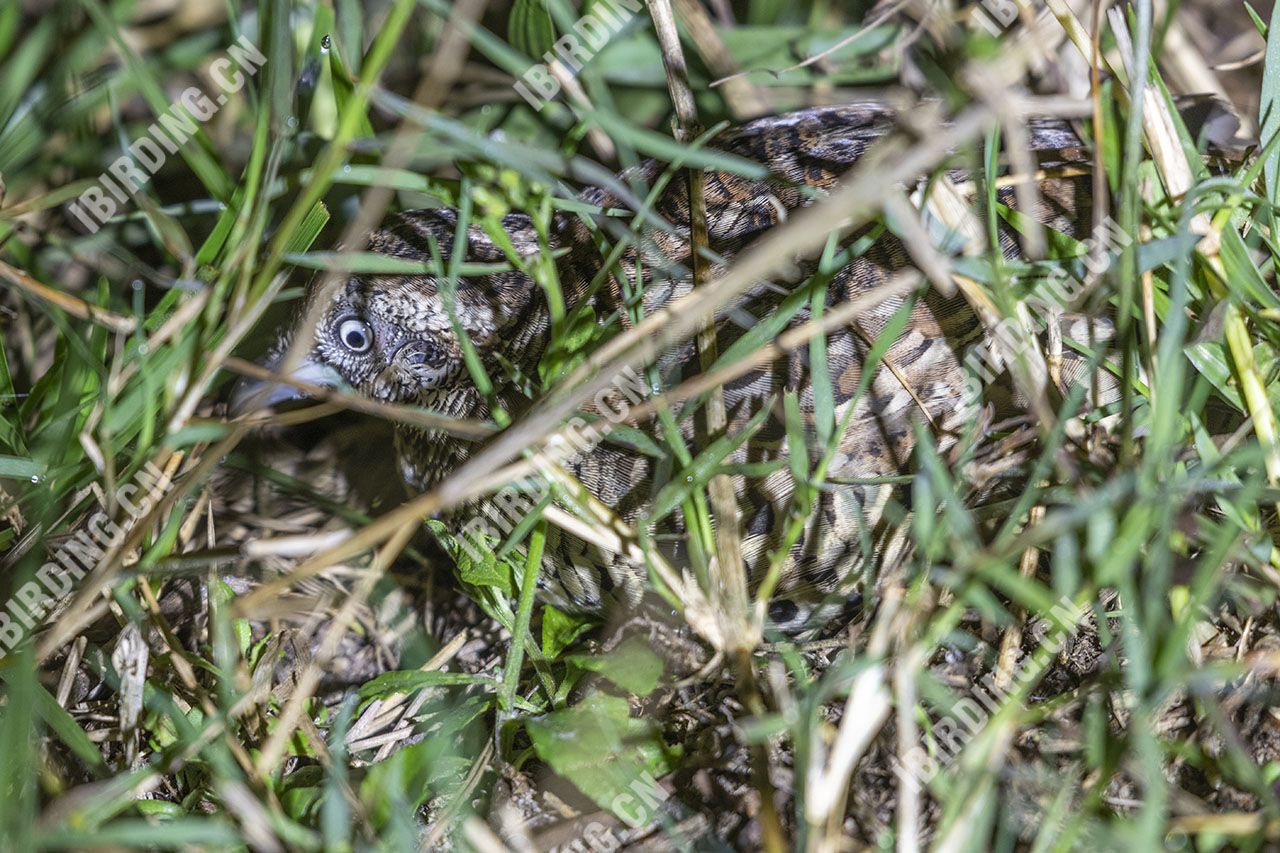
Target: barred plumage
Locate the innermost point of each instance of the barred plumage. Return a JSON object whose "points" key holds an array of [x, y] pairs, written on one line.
{"points": [[412, 354]]}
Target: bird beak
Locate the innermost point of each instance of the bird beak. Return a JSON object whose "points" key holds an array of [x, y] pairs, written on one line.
{"points": [[252, 394]]}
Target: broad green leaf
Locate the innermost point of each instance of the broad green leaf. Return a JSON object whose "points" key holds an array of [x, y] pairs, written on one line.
{"points": [[609, 756], [477, 562], [559, 630], [632, 666], [530, 28]]}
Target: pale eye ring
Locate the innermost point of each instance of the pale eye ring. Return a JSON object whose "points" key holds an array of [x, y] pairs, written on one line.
{"points": [[355, 335]]}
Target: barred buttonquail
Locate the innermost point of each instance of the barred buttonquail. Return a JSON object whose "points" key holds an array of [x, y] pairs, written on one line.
{"points": [[391, 338]]}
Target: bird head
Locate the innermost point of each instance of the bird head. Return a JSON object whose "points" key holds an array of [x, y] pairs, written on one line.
{"points": [[396, 338]]}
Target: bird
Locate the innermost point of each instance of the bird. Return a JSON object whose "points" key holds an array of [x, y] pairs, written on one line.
{"points": [[404, 338]]}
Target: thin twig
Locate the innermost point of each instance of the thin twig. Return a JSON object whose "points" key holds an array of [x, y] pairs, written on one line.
{"points": [[73, 305]]}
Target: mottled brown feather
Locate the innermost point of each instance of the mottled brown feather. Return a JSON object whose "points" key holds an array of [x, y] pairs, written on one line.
{"points": [[507, 319]]}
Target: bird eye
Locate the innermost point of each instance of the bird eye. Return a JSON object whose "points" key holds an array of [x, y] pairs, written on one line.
{"points": [[355, 335]]}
